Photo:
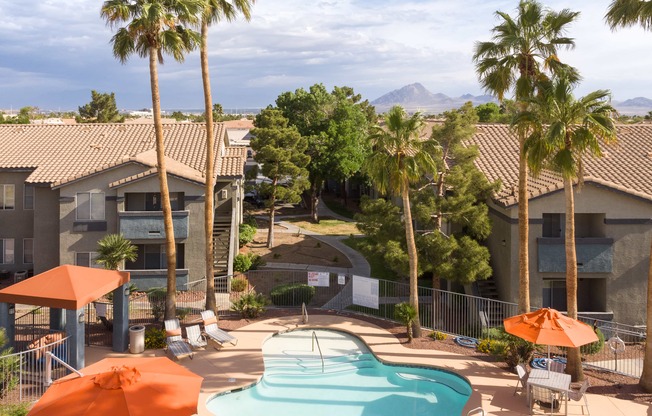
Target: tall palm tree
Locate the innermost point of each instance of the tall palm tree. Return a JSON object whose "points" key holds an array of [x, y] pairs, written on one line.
{"points": [[521, 49], [625, 13], [400, 159], [113, 250], [564, 131], [153, 28], [214, 11]]}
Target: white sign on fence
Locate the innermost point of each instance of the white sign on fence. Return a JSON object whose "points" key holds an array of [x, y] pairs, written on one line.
{"points": [[318, 279], [341, 279], [365, 292]]}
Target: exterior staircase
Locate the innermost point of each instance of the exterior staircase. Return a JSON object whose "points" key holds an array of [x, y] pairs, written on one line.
{"points": [[221, 239], [490, 313]]}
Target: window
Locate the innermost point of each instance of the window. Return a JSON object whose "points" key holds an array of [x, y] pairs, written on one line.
{"points": [[152, 257], [90, 206], [87, 260], [151, 201], [551, 225], [28, 197], [7, 197], [554, 294], [6, 251], [28, 250]]}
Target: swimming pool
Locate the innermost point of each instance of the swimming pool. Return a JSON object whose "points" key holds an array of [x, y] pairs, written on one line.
{"points": [[350, 381]]}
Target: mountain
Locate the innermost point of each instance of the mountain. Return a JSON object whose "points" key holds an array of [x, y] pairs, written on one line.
{"points": [[636, 102], [415, 97]]}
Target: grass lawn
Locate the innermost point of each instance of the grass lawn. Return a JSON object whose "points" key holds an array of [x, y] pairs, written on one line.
{"points": [[327, 226]]}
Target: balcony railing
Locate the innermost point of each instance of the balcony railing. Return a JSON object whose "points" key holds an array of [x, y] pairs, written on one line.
{"points": [[144, 225], [594, 255]]}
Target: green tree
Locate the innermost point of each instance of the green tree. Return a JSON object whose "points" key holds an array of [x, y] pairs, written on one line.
{"points": [[24, 116], [101, 109], [178, 116], [113, 250], [515, 58], [336, 125], [213, 12], [460, 190], [564, 131], [154, 28], [488, 112], [625, 13], [399, 159], [280, 149]]}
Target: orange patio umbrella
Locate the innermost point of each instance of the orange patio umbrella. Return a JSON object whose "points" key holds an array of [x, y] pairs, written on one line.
{"points": [[548, 326], [123, 386]]}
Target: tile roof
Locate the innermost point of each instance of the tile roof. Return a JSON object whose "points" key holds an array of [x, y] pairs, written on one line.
{"points": [[626, 166], [59, 154], [231, 162]]}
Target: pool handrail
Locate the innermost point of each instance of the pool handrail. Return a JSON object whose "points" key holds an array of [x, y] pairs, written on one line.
{"points": [[304, 312], [314, 338], [476, 410]]}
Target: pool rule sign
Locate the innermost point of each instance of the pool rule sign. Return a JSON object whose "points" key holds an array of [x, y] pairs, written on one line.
{"points": [[318, 279]]}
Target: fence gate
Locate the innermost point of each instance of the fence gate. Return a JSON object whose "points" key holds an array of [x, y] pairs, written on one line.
{"points": [[99, 324]]}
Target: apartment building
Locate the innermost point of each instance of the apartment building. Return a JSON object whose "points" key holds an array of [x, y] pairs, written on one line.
{"points": [[64, 187]]}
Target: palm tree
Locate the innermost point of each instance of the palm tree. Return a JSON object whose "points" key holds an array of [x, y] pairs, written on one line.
{"points": [[625, 13], [214, 11], [521, 49], [152, 28], [400, 158], [113, 250], [564, 131]]}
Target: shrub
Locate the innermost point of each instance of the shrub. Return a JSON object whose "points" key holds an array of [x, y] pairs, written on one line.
{"points": [[292, 294], [21, 409], [242, 263], [10, 369], [594, 347], [486, 345], [156, 298], [438, 336], [256, 261], [246, 234], [250, 305], [405, 314], [238, 285], [154, 338], [182, 313], [518, 351]]}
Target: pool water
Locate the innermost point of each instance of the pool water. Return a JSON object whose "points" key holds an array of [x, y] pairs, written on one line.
{"points": [[353, 382]]}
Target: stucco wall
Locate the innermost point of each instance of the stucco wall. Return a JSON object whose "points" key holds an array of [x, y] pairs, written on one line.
{"points": [[627, 222], [46, 229], [16, 223]]}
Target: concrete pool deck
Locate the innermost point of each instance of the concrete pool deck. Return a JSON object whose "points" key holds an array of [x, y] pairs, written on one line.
{"points": [[237, 366]]}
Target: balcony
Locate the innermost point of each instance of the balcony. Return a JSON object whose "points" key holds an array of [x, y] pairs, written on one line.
{"points": [[594, 255], [148, 225]]}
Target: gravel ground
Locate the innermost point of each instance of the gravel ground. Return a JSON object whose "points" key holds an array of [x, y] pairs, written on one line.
{"points": [[604, 383]]}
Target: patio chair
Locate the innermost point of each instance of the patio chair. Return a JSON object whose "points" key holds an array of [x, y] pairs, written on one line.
{"points": [[546, 399], [577, 395], [556, 366], [195, 337], [174, 341], [522, 377], [213, 332]]}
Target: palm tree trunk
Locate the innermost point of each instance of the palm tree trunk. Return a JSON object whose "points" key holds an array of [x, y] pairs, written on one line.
{"points": [[170, 248], [208, 193], [412, 255], [314, 200], [646, 377], [574, 361], [436, 281], [523, 231]]}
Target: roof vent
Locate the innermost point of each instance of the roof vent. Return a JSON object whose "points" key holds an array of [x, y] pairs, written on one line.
{"points": [[649, 155]]}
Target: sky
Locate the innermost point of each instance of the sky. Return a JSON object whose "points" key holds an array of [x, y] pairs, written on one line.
{"points": [[54, 52]]}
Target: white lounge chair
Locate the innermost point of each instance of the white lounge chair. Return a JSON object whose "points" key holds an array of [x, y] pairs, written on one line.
{"points": [[176, 345], [195, 337], [577, 395], [213, 332]]}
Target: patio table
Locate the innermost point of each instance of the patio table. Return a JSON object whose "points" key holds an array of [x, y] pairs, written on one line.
{"points": [[551, 380]]}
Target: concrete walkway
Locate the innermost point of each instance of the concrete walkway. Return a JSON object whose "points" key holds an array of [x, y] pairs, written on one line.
{"points": [[234, 367], [360, 266]]}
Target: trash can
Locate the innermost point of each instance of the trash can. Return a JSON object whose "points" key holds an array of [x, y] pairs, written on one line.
{"points": [[136, 339]]}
